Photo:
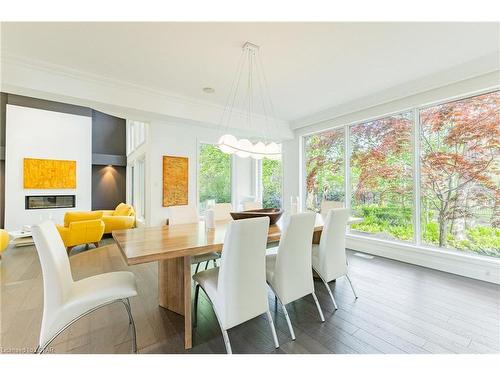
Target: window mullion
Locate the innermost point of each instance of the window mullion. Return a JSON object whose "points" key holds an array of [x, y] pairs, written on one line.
{"points": [[416, 178], [347, 166]]}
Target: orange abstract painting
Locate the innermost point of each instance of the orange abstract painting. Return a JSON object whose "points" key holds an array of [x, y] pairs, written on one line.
{"points": [[49, 174], [175, 181]]}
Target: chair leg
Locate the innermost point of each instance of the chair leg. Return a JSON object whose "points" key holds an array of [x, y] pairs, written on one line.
{"points": [[126, 302], [40, 349], [206, 264], [197, 266], [196, 295], [290, 328], [215, 262], [331, 294], [225, 336], [352, 286], [227, 343], [273, 330], [319, 307]]}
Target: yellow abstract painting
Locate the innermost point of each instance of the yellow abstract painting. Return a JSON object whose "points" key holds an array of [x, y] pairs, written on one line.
{"points": [[49, 174], [175, 181]]}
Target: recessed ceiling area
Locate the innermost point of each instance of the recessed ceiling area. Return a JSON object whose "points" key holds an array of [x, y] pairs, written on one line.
{"points": [[309, 66]]}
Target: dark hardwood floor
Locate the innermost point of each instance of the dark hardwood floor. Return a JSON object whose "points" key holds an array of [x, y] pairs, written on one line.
{"points": [[401, 308]]}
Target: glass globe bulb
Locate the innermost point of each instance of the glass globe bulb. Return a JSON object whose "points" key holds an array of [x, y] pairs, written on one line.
{"points": [[273, 151], [259, 150], [245, 148], [227, 143]]}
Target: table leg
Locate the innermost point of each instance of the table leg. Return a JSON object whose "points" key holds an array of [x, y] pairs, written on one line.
{"points": [[316, 237], [174, 291]]}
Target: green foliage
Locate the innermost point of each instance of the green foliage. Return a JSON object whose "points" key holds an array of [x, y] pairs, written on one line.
{"points": [[481, 240], [214, 175], [391, 220], [431, 233], [271, 183]]}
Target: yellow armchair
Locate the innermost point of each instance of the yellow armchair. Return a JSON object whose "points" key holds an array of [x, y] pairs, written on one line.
{"points": [[122, 217], [81, 228], [4, 240]]}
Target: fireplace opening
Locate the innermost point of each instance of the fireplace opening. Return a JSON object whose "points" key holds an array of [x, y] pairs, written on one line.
{"points": [[37, 202]]}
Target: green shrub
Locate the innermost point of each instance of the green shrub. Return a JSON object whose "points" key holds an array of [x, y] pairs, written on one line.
{"points": [[392, 220]]}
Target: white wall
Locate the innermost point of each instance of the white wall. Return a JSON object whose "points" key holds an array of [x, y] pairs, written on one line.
{"points": [[35, 133], [181, 139]]}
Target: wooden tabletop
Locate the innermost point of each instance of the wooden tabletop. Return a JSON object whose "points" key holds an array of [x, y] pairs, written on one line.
{"points": [[150, 244]]}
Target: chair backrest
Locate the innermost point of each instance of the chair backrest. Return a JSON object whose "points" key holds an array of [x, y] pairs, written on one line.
{"points": [[182, 215], [292, 277], [72, 216], [222, 211], [251, 206], [326, 206], [56, 271], [124, 209], [242, 288], [332, 257], [4, 240]]}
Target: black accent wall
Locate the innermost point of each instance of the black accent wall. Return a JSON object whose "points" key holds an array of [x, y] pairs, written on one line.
{"points": [[108, 186], [109, 161]]}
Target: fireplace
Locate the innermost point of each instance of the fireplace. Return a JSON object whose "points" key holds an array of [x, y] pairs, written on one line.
{"points": [[37, 202]]}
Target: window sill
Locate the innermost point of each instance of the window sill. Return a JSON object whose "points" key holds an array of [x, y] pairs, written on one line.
{"points": [[474, 266]]}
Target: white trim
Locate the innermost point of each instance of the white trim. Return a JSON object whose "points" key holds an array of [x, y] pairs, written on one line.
{"points": [[469, 70], [44, 80], [417, 204], [302, 173], [458, 97], [473, 266], [347, 167]]}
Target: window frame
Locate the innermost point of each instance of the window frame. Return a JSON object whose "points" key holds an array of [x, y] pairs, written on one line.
{"points": [[136, 133], [232, 178], [259, 193], [416, 171]]}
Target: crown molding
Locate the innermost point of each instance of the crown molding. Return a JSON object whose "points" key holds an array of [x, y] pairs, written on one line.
{"points": [[40, 79], [470, 69]]}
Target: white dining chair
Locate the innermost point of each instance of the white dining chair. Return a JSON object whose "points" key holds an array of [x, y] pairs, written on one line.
{"points": [[66, 300], [182, 215], [222, 211], [326, 206], [252, 205], [237, 289], [288, 268], [189, 215], [329, 257]]}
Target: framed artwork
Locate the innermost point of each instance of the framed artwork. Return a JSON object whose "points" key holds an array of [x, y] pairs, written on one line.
{"points": [[175, 180], [49, 174]]}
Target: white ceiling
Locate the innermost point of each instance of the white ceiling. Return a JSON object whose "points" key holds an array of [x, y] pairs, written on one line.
{"points": [[310, 66]]}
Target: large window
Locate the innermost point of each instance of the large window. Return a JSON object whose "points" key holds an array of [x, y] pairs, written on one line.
{"points": [[214, 176], [452, 183], [136, 135], [324, 168], [138, 187], [271, 183], [381, 176], [460, 163]]}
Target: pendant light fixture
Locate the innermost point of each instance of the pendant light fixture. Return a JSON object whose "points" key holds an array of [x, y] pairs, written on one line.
{"points": [[250, 64]]}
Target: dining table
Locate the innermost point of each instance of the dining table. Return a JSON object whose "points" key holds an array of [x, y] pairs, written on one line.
{"points": [[173, 246]]}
